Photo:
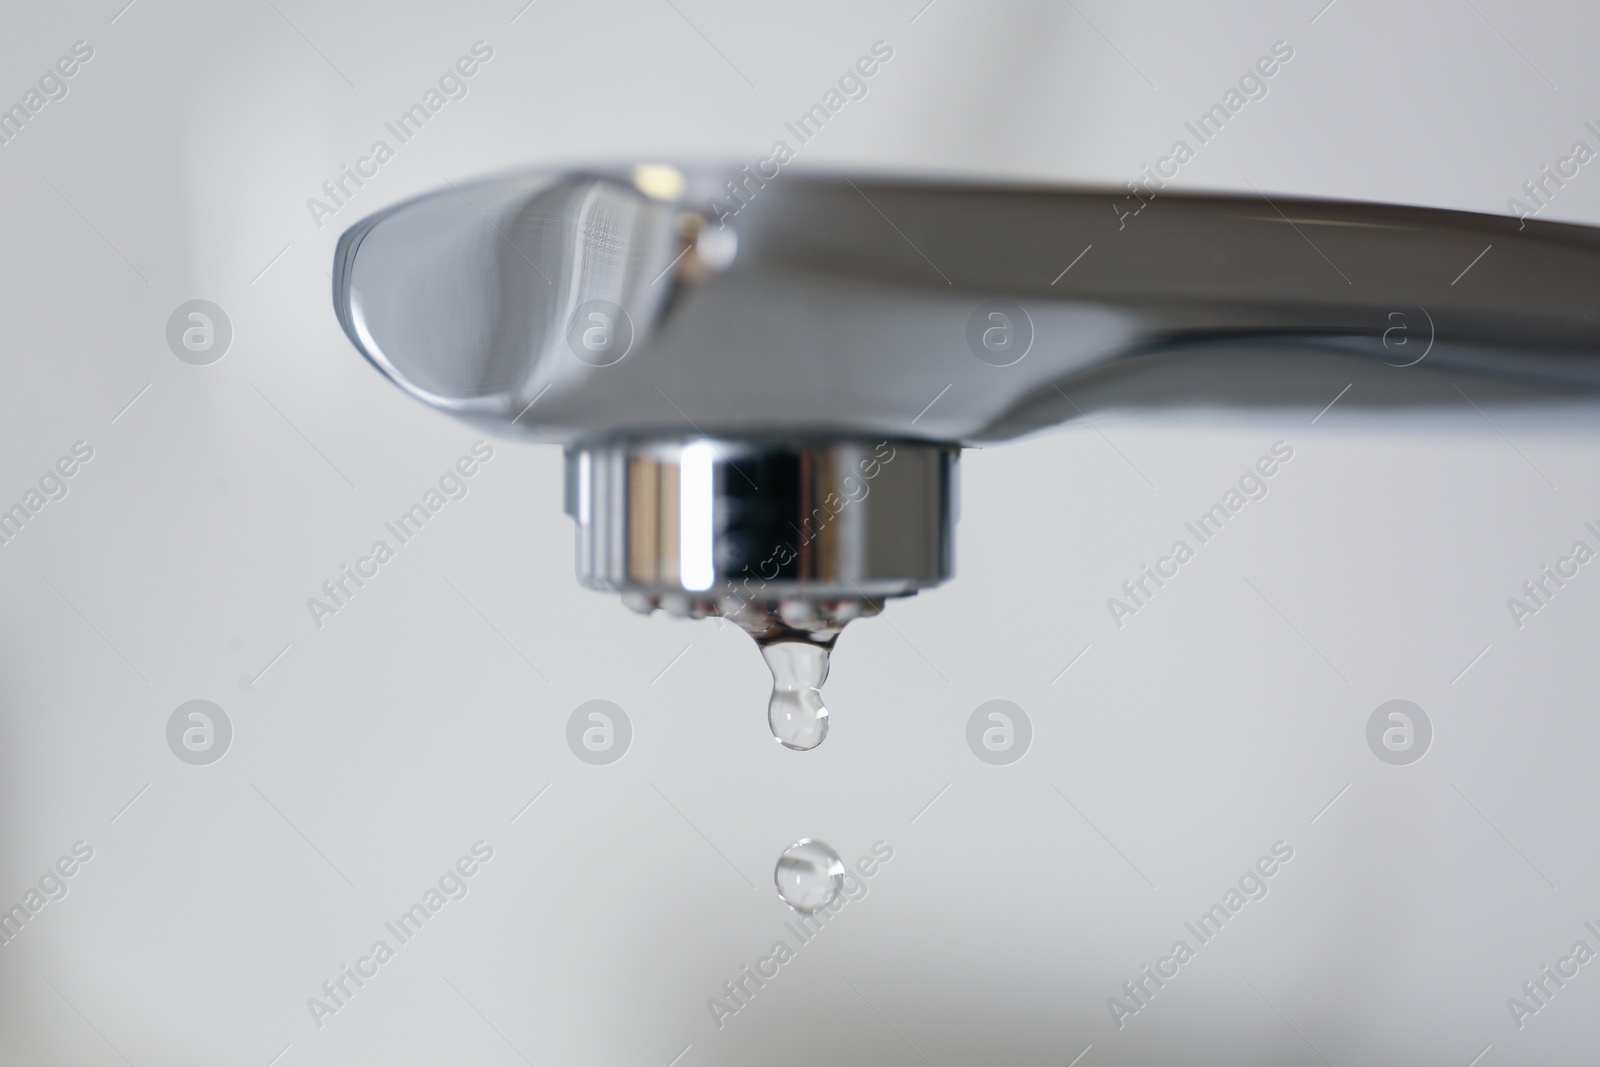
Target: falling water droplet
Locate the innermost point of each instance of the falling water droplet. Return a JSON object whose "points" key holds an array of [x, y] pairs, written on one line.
{"points": [[798, 717], [809, 875]]}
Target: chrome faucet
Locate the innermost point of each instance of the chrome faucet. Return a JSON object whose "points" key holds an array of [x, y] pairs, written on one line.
{"points": [[763, 385]]}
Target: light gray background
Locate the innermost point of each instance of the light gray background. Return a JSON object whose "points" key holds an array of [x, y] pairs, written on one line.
{"points": [[373, 752]]}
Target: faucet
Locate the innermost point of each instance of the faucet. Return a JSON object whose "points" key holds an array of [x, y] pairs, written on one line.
{"points": [[763, 384]]}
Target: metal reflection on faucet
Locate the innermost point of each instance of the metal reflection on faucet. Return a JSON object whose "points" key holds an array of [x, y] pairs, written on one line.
{"points": [[695, 520]]}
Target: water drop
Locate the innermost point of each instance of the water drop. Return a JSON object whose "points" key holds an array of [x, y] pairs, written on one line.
{"points": [[796, 713], [809, 875]]}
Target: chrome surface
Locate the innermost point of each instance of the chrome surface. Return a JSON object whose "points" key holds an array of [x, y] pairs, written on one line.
{"points": [[798, 534], [823, 305], [787, 324]]}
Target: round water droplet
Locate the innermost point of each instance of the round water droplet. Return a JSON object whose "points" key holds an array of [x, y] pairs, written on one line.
{"points": [[809, 875], [796, 713]]}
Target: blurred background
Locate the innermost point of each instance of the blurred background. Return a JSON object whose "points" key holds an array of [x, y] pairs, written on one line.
{"points": [[219, 889]]}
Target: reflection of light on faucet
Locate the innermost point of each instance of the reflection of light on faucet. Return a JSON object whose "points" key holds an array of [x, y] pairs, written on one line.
{"points": [[661, 181], [696, 569], [583, 487]]}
